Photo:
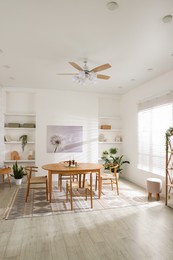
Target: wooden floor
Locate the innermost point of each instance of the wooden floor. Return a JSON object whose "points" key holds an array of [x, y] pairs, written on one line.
{"points": [[136, 232]]}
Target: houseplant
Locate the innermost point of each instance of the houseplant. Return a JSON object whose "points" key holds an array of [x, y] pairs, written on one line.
{"points": [[24, 140], [113, 160], [18, 173]]}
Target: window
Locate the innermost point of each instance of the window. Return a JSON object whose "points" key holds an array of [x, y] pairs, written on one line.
{"points": [[152, 125]]}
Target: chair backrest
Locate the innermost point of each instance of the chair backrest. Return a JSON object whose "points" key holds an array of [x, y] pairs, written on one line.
{"points": [[29, 170]]}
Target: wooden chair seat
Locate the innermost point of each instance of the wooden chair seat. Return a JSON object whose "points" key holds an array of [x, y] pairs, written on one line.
{"points": [[33, 182], [38, 180]]}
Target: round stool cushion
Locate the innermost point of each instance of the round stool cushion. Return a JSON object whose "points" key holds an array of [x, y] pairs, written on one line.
{"points": [[154, 185]]}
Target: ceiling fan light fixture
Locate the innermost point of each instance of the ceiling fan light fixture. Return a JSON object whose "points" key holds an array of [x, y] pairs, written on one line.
{"points": [[82, 77]]}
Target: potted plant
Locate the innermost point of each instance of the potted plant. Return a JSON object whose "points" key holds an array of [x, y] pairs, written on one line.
{"points": [[105, 153], [114, 160], [113, 150], [24, 140], [18, 173]]}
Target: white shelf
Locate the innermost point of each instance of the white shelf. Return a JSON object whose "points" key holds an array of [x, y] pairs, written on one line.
{"points": [[110, 130], [17, 128], [18, 142], [110, 142], [110, 117], [20, 161], [19, 114]]}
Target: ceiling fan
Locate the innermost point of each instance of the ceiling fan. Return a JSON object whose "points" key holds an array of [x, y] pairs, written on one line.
{"points": [[84, 73]]}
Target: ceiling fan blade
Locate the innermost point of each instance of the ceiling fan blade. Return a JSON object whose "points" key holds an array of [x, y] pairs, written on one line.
{"points": [[100, 76], [75, 66], [66, 73], [102, 67]]}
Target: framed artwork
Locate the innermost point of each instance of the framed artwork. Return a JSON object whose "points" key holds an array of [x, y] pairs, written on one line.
{"points": [[64, 139]]}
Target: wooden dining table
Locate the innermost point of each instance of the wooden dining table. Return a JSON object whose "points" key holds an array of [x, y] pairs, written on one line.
{"points": [[60, 168]]}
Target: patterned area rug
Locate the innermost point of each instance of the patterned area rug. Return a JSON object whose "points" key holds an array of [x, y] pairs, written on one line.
{"points": [[38, 206]]}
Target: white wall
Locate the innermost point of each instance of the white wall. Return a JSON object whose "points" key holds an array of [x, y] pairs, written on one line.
{"points": [[154, 88], [66, 109]]}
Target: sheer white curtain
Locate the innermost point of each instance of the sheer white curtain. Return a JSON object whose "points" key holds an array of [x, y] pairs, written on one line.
{"points": [[152, 125]]}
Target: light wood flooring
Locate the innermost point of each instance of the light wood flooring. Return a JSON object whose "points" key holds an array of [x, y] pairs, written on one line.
{"points": [[136, 232]]}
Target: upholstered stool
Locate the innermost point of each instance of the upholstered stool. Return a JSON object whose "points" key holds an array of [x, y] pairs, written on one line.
{"points": [[154, 185]]}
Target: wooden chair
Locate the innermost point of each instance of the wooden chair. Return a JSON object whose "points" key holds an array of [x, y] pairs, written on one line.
{"points": [[62, 177], [73, 186], [35, 182], [7, 171], [109, 178]]}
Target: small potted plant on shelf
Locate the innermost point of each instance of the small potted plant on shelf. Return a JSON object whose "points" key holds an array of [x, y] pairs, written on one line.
{"points": [[24, 140], [18, 173]]}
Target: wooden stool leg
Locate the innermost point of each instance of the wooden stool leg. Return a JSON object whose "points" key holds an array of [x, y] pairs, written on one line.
{"points": [[149, 195], [157, 196]]}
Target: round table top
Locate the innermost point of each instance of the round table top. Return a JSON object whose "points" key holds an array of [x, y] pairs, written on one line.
{"points": [[61, 167]]}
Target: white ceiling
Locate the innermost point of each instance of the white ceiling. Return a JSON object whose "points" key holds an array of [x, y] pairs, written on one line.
{"points": [[39, 37]]}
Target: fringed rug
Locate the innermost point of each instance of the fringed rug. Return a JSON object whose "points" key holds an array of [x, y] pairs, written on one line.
{"points": [[38, 206]]}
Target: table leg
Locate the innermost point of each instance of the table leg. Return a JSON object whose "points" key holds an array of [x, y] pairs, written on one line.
{"points": [[91, 190], [50, 185], [99, 185]]}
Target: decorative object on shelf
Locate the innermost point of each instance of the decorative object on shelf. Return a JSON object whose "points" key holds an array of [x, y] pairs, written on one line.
{"points": [[7, 138], [113, 160], [30, 155], [18, 173], [105, 127], [101, 138], [24, 140], [117, 139], [13, 125], [28, 125], [15, 156]]}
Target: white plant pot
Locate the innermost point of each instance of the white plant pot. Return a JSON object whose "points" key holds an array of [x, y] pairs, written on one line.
{"points": [[18, 181]]}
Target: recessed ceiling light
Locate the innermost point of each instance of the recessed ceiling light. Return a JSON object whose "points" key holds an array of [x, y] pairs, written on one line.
{"points": [[167, 18], [112, 6]]}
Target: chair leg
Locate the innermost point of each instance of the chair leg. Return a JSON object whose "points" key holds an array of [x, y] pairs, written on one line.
{"points": [[117, 186], [112, 184], [9, 180], [96, 183], [27, 192], [60, 182], [46, 190], [67, 191], [91, 191]]}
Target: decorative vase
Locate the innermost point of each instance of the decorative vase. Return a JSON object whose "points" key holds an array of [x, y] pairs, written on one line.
{"points": [[18, 181]]}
